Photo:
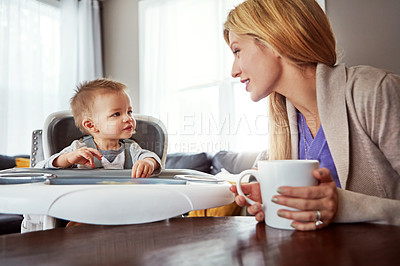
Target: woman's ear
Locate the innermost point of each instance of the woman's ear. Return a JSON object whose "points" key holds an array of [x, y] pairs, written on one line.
{"points": [[278, 55], [269, 47], [89, 125]]}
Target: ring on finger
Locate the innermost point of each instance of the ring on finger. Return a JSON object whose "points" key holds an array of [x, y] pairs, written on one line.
{"points": [[317, 212], [318, 223]]}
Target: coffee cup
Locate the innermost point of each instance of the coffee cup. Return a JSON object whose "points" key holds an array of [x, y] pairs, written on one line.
{"points": [[273, 174]]}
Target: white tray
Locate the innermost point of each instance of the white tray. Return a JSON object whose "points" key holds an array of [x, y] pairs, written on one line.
{"points": [[114, 204]]}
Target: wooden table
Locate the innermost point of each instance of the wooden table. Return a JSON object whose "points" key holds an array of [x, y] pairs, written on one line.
{"points": [[204, 241]]}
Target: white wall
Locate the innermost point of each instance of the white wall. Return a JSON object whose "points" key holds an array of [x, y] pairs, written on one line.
{"points": [[367, 31]]}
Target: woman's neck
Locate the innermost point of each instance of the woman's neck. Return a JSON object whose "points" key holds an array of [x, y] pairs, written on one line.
{"points": [[301, 90]]}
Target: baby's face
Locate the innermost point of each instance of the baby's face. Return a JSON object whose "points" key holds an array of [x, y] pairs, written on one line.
{"points": [[112, 116]]}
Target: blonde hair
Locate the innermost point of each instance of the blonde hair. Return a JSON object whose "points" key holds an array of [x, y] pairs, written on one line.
{"points": [[83, 100], [300, 32]]}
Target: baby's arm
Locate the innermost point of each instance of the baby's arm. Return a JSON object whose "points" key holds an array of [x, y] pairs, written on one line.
{"points": [[144, 167], [82, 156]]}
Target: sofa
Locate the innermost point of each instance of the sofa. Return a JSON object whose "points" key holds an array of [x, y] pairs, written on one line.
{"points": [[233, 162], [9, 223], [7, 162]]}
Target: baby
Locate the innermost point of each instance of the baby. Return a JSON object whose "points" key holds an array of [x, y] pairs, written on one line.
{"points": [[103, 110]]}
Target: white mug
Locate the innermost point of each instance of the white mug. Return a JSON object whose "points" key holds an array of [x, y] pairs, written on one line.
{"points": [[276, 173]]}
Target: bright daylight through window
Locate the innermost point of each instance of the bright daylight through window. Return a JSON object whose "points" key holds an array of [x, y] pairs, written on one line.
{"points": [[29, 72], [185, 78], [47, 48]]}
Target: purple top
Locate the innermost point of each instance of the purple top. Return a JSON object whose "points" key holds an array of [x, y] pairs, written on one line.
{"points": [[317, 148]]}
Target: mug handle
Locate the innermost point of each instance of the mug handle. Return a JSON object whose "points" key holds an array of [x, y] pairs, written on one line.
{"points": [[239, 180]]}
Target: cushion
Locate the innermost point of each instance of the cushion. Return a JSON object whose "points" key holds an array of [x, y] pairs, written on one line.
{"points": [[22, 162], [196, 161], [228, 210], [6, 162], [233, 162]]}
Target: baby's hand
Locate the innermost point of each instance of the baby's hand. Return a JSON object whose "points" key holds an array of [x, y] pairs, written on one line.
{"points": [[144, 168], [82, 156]]}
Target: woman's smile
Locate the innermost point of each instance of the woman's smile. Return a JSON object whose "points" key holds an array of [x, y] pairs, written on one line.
{"points": [[246, 83], [255, 62]]}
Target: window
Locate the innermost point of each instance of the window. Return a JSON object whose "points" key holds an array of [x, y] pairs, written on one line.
{"points": [[322, 4], [185, 78], [39, 66], [29, 76]]}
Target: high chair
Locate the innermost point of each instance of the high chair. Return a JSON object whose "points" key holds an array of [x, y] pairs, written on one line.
{"points": [[59, 131]]}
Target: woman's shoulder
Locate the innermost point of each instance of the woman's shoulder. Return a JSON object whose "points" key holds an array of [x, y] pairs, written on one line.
{"points": [[363, 87], [371, 82], [369, 74], [372, 93], [355, 74]]}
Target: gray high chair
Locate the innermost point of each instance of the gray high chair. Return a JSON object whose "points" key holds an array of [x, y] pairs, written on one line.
{"points": [[59, 131], [172, 193]]}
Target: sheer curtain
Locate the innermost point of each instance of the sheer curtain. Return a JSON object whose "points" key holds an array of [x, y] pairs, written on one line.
{"points": [[47, 47], [185, 79], [80, 45]]}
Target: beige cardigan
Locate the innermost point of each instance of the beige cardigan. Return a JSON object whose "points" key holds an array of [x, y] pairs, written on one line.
{"points": [[359, 109]]}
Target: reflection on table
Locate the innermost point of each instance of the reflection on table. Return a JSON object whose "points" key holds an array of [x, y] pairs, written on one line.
{"points": [[204, 241]]}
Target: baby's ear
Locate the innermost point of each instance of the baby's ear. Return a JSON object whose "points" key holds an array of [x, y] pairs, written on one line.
{"points": [[89, 125]]}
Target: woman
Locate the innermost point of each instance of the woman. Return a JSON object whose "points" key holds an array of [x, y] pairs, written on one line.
{"points": [[347, 118]]}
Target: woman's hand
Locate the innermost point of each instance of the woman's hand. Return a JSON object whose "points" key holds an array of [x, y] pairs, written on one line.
{"points": [[253, 192], [322, 198]]}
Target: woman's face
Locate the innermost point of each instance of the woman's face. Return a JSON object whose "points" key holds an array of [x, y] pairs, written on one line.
{"points": [[257, 65]]}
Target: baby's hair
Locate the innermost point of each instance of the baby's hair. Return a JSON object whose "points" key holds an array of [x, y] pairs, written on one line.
{"points": [[85, 93]]}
